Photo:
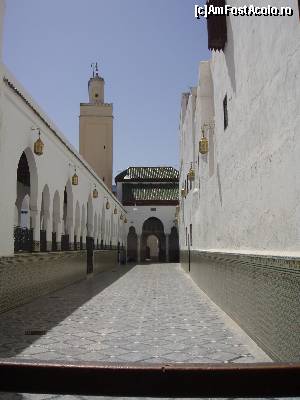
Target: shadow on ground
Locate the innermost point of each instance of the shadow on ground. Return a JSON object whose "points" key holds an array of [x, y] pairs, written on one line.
{"points": [[46, 312]]}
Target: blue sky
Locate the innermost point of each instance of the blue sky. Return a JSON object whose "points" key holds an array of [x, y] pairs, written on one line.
{"points": [[148, 52]]}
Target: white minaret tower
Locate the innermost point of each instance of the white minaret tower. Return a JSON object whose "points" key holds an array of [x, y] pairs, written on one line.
{"points": [[96, 129]]}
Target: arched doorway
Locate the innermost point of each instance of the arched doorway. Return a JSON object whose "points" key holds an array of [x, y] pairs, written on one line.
{"points": [[44, 218], [132, 245], [174, 245], [56, 222], [153, 227], [23, 232], [152, 248]]}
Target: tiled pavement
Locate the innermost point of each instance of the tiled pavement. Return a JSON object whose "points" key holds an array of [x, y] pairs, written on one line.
{"points": [[149, 313]]}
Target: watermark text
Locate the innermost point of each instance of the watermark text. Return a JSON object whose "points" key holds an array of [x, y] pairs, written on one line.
{"points": [[209, 9]]}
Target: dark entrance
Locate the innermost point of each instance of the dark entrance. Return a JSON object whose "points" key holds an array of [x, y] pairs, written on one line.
{"points": [[132, 245], [174, 245], [153, 226]]}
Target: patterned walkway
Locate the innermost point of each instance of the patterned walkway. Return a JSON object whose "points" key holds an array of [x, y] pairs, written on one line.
{"points": [[149, 313]]}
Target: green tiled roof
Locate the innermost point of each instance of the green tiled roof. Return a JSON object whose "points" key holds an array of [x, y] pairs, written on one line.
{"points": [[148, 174], [150, 192]]}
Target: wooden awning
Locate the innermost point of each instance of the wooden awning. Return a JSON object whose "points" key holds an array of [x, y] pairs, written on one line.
{"points": [[216, 27]]}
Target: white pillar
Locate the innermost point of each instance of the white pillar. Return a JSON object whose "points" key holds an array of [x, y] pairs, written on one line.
{"points": [[35, 224], [71, 237], [138, 249], [58, 234], [49, 232]]}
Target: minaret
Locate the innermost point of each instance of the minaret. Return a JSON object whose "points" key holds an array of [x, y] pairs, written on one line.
{"points": [[96, 129]]}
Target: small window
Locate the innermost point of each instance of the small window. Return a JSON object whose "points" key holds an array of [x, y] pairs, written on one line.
{"points": [[191, 234], [225, 111], [152, 209], [104, 147]]}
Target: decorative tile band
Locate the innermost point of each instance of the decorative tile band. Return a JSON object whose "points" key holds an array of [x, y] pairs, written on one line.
{"points": [[260, 292]]}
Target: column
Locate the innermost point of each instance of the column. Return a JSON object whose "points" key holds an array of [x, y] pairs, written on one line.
{"points": [[138, 249], [167, 247], [35, 225], [58, 235], [49, 233]]}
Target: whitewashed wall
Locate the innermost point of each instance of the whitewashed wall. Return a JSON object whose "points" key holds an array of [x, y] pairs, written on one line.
{"points": [[249, 196], [52, 169]]}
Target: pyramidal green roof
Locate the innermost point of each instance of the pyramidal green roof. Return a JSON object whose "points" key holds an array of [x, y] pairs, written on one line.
{"points": [[150, 192], [148, 174]]}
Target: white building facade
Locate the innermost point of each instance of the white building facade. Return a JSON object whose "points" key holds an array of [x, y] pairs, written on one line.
{"points": [[150, 198], [240, 199], [51, 200]]}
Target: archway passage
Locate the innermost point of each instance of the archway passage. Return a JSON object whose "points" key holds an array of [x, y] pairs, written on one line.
{"points": [[153, 227], [174, 245], [132, 245], [152, 248], [23, 233]]}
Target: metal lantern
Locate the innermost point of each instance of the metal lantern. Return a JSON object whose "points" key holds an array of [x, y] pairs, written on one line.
{"points": [[107, 205], [115, 211], [121, 217], [182, 192], [39, 146], [125, 220], [95, 193], [203, 144], [191, 174], [75, 179]]}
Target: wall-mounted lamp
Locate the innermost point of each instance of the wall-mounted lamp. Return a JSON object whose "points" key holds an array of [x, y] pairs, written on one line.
{"points": [[95, 193], [203, 144], [75, 179], [38, 146], [191, 173]]}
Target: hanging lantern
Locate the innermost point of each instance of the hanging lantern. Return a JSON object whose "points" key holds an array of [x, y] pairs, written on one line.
{"points": [[203, 144], [121, 217], [39, 146], [107, 205], [95, 193], [182, 192], [191, 173], [125, 220], [75, 179], [115, 211]]}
